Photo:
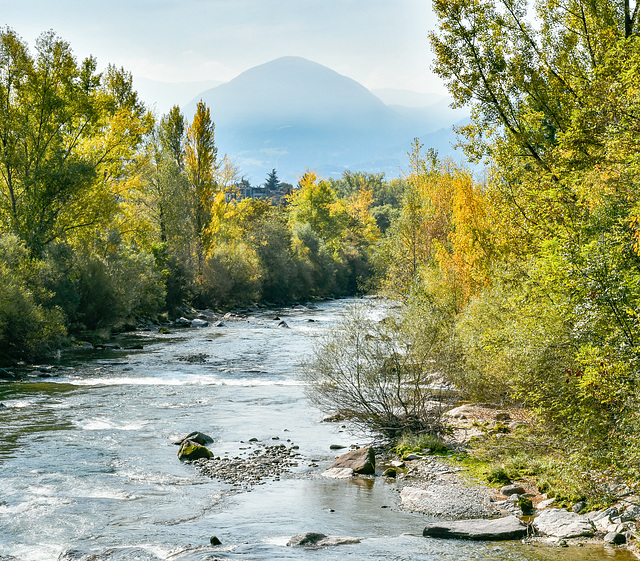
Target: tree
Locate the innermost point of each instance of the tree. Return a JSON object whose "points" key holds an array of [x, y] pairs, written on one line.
{"points": [[67, 135], [272, 183], [373, 374], [201, 163], [555, 106]]}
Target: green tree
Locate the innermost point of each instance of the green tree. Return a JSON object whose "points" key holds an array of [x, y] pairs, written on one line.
{"points": [[67, 136], [272, 183]]}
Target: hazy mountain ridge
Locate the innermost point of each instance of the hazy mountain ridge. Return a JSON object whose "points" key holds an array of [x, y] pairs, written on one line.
{"points": [[292, 114]]}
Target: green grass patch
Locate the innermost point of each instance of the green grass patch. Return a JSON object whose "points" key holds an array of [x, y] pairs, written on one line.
{"points": [[410, 443], [530, 456]]}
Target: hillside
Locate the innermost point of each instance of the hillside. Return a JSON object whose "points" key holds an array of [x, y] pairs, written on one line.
{"points": [[292, 113]]}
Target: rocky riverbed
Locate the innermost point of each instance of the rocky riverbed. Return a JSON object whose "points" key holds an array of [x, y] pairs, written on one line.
{"points": [[263, 463]]}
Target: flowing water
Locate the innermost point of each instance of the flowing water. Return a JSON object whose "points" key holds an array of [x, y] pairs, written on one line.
{"points": [[88, 467]]}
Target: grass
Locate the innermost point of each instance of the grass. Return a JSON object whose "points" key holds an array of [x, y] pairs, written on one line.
{"points": [[410, 443], [526, 455], [529, 455]]}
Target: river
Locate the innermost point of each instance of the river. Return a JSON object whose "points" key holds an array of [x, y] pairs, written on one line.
{"points": [[89, 471]]}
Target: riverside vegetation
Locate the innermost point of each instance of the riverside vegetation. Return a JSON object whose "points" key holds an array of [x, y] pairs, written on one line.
{"points": [[520, 289]]}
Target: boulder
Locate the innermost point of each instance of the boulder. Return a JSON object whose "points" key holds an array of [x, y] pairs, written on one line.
{"points": [[509, 490], [362, 460], [508, 528], [283, 324], [615, 538], [580, 505], [197, 437], [563, 524], [315, 540], [199, 323], [190, 450]]}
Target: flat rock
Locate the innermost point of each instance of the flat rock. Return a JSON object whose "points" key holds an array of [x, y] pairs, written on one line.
{"points": [[508, 528], [362, 460], [512, 490], [411, 457], [315, 540], [339, 473], [450, 499], [459, 412], [563, 524], [546, 503]]}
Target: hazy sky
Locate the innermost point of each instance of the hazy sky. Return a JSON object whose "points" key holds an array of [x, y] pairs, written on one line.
{"points": [[380, 43]]}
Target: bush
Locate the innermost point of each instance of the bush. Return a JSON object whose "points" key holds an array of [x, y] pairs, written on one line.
{"points": [[230, 275], [28, 329], [369, 371], [410, 443], [115, 284]]}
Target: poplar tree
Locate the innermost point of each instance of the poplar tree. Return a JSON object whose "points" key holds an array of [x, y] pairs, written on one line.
{"points": [[201, 163]]}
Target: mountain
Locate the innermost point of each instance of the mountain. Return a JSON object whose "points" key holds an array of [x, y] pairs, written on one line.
{"points": [[292, 114]]}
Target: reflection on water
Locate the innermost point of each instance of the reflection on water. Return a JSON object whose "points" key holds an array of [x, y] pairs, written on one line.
{"points": [[87, 464]]}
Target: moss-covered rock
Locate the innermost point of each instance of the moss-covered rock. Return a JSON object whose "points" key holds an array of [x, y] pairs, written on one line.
{"points": [[190, 450], [390, 472]]}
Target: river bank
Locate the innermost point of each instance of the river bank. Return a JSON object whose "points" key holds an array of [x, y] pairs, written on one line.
{"points": [[434, 485]]}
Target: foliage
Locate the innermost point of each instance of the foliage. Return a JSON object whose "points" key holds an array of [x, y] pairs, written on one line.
{"points": [[540, 261], [111, 215], [28, 329], [69, 136]]}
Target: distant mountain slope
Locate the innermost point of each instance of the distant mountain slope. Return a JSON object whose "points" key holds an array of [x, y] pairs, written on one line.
{"points": [[292, 114]]}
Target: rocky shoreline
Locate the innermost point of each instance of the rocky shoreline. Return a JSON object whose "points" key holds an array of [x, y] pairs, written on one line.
{"points": [[430, 485]]}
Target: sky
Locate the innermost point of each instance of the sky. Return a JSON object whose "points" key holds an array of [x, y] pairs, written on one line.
{"points": [[379, 43]]}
